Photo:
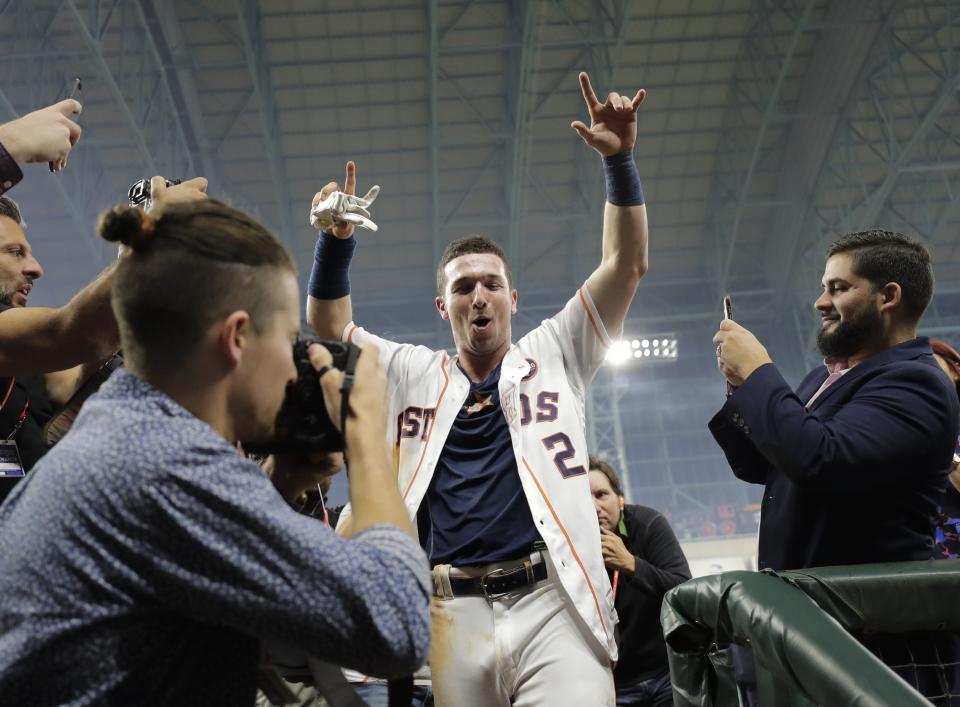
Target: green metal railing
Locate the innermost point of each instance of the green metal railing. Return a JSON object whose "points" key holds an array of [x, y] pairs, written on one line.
{"points": [[799, 625]]}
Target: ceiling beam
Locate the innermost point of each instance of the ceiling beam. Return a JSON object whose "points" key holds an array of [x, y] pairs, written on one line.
{"points": [[172, 54], [248, 14], [433, 87], [113, 88], [771, 108], [867, 211], [838, 62], [928, 99], [520, 91]]}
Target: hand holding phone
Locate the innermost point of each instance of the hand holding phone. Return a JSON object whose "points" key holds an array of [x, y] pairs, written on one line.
{"points": [[727, 314], [45, 135], [75, 92]]}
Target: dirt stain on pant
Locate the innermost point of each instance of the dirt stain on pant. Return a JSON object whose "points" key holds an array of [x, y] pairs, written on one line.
{"points": [[441, 642]]}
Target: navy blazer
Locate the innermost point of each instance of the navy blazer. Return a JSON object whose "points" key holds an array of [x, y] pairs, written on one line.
{"points": [[858, 477]]}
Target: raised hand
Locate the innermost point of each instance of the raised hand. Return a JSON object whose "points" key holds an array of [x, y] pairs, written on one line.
{"points": [[337, 213], [613, 124], [45, 135], [161, 195]]}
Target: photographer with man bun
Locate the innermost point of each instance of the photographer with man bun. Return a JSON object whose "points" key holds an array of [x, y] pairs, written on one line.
{"points": [[145, 560]]}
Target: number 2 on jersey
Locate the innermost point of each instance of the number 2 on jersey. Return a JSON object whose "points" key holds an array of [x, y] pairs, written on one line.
{"points": [[563, 455]]}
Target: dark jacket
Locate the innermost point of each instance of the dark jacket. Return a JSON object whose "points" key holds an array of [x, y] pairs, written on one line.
{"points": [[660, 567], [855, 479]]}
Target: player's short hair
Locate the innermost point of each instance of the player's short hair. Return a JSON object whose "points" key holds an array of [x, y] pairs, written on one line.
{"points": [[11, 209], [886, 256], [465, 246], [598, 464], [195, 264]]}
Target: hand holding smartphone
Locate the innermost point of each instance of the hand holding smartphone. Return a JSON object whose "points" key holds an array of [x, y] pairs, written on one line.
{"points": [[727, 314], [74, 91]]}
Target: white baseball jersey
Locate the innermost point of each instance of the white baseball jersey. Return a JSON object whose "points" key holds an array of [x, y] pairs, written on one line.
{"points": [[543, 383]]}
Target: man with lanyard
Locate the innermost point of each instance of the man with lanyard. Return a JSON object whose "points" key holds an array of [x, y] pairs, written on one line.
{"points": [[25, 402], [40, 341], [491, 447]]}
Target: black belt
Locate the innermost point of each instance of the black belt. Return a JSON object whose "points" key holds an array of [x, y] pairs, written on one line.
{"points": [[500, 582]]}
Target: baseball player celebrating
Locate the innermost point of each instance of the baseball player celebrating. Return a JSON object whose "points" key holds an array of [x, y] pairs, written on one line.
{"points": [[491, 447]]}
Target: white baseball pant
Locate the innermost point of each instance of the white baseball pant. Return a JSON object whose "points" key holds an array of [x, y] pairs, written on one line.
{"points": [[526, 649]]}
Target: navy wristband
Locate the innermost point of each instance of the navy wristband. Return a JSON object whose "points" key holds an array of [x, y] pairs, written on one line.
{"points": [[623, 180], [330, 275]]}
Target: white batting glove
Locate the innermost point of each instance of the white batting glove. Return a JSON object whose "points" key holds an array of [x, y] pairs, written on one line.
{"points": [[340, 208]]}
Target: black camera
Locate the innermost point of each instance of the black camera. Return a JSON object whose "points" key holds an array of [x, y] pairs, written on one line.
{"points": [[302, 423], [139, 193]]}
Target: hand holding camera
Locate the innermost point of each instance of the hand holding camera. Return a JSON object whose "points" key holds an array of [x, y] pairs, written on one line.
{"points": [[329, 375], [152, 195], [373, 489], [374, 496], [367, 412]]}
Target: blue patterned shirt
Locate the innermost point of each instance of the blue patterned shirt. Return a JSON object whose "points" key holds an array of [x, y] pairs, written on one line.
{"points": [[143, 560]]}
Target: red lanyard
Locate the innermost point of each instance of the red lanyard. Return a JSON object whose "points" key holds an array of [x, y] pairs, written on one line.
{"points": [[616, 581], [23, 413], [7, 396], [20, 420]]}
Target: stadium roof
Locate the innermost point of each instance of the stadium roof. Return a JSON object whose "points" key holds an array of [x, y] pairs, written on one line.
{"points": [[770, 127]]}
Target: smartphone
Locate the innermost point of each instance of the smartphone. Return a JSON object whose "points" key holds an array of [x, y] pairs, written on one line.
{"points": [[74, 90], [728, 314]]}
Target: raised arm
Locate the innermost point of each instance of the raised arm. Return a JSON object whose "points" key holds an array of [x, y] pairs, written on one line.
{"points": [[329, 308], [613, 133], [42, 339]]}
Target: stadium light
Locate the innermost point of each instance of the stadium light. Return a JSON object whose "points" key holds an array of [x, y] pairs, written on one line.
{"points": [[619, 353], [660, 347]]}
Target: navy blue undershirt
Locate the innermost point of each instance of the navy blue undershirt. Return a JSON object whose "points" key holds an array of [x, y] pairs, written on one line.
{"points": [[479, 513]]}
